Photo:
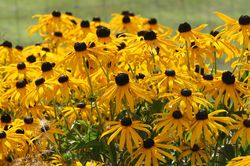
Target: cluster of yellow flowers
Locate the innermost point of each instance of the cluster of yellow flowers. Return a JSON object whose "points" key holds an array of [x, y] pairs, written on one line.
{"points": [[159, 96]]}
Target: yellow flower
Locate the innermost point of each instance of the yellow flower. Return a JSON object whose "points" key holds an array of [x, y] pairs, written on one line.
{"points": [[152, 150], [127, 128], [124, 88], [197, 152], [242, 125], [239, 161], [205, 126]]}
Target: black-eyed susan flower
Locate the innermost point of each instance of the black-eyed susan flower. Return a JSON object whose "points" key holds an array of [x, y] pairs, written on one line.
{"points": [[174, 122], [124, 87], [205, 126], [153, 24], [8, 54], [127, 130], [197, 152], [227, 89], [242, 125], [188, 101], [153, 149], [239, 161]]}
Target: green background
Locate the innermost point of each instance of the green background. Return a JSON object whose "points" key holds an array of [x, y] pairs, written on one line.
{"points": [[15, 15]]}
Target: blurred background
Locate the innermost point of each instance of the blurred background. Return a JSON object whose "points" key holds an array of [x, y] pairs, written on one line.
{"points": [[15, 15]]}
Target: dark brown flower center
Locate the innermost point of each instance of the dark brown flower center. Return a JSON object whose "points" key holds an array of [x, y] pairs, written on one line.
{"points": [[56, 13], [21, 66], [69, 13], [46, 49], [19, 131], [141, 33], [228, 78], [202, 114], [170, 72], [126, 19], [177, 114], [5, 118], [148, 143], [208, 77], [244, 20], [186, 92], [44, 128], [121, 46], [184, 27], [140, 76], [7, 44], [81, 105], [19, 48], [214, 33], [46, 66], [122, 79], [195, 148], [80, 46], [149, 35], [126, 121], [2, 134], [92, 45], [58, 34], [39, 81], [31, 59], [102, 32], [28, 120], [96, 19], [21, 84], [152, 21], [85, 24], [63, 78], [246, 123]]}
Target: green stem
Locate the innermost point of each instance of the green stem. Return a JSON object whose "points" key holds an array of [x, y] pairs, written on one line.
{"points": [[244, 47], [215, 63], [88, 75], [113, 154]]}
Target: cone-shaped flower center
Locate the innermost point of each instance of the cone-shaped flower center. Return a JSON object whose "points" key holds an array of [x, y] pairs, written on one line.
{"points": [[149, 35], [148, 143], [96, 19], [244, 20], [126, 121], [177, 114], [21, 66], [5, 118], [122, 79], [58, 34], [31, 59], [2, 134], [56, 13], [19, 131], [126, 19], [202, 114], [170, 72], [209, 77], [85, 24], [121, 46], [102, 32], [46, 66], [195, 148], [19, 48], [44, 128], [228, 78], [7, 44], [214, 33], [39, 81], [69, 13], [140, 76], [28, 120], [63, 78], [186, 92], [152, 21], [246, 123], [184, 27], [21, 84], [80, 46], [46, 49], [81, 105], [141, 33]]}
